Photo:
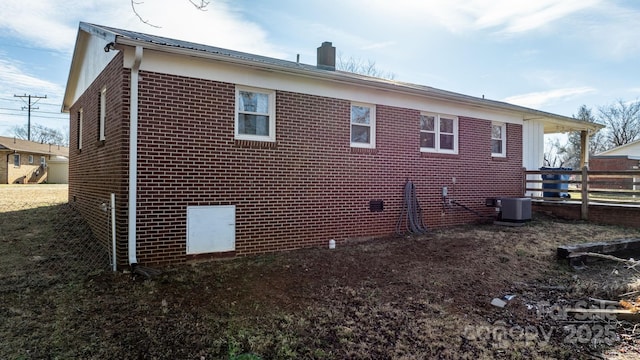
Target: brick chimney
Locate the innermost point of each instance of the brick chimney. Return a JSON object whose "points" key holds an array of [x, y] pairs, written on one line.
{"points": [[327, 56]]}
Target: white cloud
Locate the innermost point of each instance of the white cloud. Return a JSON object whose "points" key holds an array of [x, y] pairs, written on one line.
{"points": [[537, 100], [510, 16], [613, 34], [501, 16], [13, 77], [378, 45], [14, 80], [42, 24], [53, 24]]}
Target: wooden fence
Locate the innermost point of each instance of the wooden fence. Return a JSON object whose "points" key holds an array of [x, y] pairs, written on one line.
{"points": [[585, 186]]}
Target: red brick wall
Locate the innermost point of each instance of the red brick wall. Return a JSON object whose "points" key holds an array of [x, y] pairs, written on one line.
{"points": [[600, 214], [311, 186], [100, 168], [611, 163]]}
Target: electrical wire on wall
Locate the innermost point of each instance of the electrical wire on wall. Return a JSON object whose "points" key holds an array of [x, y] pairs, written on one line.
{"points": [[448, 201]]}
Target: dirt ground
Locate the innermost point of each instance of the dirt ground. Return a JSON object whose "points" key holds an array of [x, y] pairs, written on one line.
{"points": [[410, 297]]}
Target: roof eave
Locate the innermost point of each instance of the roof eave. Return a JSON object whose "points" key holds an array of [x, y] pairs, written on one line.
{"points": [[563, 123]]}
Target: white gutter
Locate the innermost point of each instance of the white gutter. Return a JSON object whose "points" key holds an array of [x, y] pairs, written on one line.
{"points": [[133, 155]]}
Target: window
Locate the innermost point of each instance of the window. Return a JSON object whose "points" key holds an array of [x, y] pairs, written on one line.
{"points": [[498, 139], [103, 114], [43, 161], [363, 125], [16, 160], [439, 133], [30, 159], [255, 114], [80, 116]]}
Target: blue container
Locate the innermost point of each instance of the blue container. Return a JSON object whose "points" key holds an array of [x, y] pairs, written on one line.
{"points": [[556, 186]]}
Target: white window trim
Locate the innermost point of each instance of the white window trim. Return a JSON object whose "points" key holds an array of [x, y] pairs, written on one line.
{"points": [[30, 159], [456, 134], [80, 117], [43, 161], [372, 126], [272, 115], [103, 113], [19, 160], [504, 139]]}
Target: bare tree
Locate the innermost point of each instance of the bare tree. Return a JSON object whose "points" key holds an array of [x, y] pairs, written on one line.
{"points": [[623, 122], [597, 141], [555, 154], [200, 5], [359, 66], [42, 134], [558, 154]]}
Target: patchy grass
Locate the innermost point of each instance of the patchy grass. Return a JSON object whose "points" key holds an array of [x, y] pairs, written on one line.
{"points": [[27, 196], [406, 298]]}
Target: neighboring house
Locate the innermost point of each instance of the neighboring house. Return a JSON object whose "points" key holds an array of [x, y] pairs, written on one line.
{"points": [[213, 152], [26, 162], [623, 157]]}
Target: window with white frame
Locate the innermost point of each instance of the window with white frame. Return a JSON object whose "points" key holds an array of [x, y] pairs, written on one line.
{"points": [[43, 161], [439, 133], [79, 139], [30, 159], [498, 139], [16, 160], [103, 114], [363, 125], [255, 114]]}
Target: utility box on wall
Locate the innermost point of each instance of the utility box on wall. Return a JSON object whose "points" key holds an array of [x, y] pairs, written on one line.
{"points": [[211, 229]]}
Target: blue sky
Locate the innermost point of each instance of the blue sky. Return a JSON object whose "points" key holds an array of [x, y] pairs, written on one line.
{"points": [[551, 55]]}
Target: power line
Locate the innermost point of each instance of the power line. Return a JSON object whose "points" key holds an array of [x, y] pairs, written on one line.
{"points": [[29, 106], [37, 116], [41, 103], [35, 111]]}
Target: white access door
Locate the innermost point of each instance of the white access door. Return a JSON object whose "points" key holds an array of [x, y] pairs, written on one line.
{"points": [[211, 229]]}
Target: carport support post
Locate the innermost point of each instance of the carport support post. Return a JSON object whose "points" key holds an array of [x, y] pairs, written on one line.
{"points": [[584, 148], [584, 210]]}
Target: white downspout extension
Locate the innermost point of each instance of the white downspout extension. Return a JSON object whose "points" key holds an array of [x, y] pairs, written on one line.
{"points": [[133, 155]]}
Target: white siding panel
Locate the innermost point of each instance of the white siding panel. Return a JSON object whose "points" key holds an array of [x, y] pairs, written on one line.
{"points": [[533, 151]]}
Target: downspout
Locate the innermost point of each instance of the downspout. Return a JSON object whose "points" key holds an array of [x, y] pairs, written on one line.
{"points": [[133, 156]]}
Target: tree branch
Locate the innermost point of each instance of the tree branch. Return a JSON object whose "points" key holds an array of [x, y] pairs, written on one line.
{"points": [[630, 263], [133, 6], [200, 6]]}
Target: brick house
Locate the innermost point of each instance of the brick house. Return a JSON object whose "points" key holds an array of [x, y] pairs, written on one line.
{"points": [[624, 157], [29, 162], [230, 153]]}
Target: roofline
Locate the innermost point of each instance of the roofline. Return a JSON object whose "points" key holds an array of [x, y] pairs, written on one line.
{"points": [[348, 78], [377, 83], [629, 157], [618, 147]]}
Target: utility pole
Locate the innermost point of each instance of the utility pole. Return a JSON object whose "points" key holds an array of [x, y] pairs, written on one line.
{"points": [[29, 107]]}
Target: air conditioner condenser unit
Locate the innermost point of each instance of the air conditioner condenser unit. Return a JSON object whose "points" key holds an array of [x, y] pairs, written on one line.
{"points": [[515, 210]]}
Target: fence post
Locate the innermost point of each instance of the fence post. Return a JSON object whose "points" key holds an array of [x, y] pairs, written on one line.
{"points": [[584, 210]]}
